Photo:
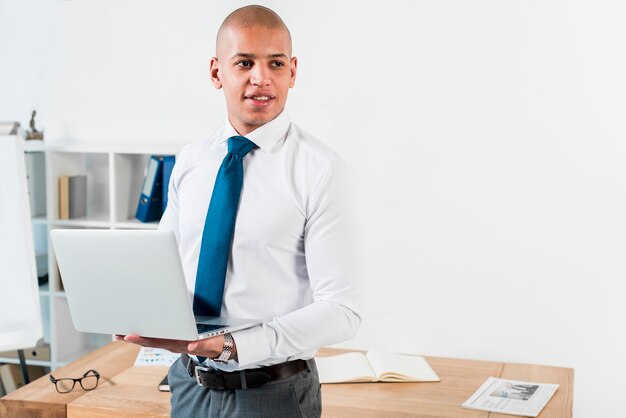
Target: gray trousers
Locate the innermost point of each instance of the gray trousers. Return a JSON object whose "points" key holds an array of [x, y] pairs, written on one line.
{"points": [[294, 397]]}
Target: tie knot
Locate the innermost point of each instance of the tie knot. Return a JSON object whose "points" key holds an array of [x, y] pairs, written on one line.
{"points": [[240, 145]]}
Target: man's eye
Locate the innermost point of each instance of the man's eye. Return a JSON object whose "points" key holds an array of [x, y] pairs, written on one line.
{"points": [[244, 63], [278, 64]]}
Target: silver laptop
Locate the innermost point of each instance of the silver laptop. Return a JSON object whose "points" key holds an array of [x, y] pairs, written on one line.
{"points": [[131, 282]]}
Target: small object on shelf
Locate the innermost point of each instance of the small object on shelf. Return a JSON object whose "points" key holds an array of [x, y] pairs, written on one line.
{"points": [[150, 208], [33, 133], [9, 128], [72, 196], [43, 279]]}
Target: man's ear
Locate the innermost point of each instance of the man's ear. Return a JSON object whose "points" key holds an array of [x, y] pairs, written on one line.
{"points": [[214, 70], [294, 67]]}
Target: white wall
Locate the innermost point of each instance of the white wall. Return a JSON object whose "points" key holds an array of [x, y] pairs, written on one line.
{"points": [[490, 137]]}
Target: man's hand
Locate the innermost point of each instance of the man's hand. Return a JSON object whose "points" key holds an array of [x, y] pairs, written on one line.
{"points": [[206, 347]]}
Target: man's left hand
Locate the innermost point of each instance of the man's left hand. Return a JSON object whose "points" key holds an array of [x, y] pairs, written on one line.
{"points": [[206, 347]]}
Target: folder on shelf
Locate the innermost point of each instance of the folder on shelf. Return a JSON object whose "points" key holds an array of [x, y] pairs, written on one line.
{"points": [[149, 208], [168, 165]]}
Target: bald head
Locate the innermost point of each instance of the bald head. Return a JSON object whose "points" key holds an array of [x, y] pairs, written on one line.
{"points": [[249, 16]]}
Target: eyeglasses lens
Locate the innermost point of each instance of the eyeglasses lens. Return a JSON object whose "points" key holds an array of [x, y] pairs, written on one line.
{"points": [[65, 385], [89, 382]]}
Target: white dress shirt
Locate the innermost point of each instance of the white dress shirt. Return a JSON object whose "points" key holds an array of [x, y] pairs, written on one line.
{"points": [[292, 263]]}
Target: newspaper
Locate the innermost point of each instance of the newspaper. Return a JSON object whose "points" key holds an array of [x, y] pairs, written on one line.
{"points": [[511, 397]]}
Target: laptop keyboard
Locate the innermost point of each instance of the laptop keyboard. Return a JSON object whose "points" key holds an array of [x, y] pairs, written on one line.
{"points": [[202, 328]]}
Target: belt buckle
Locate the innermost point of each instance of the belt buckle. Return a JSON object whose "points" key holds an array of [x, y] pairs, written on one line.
{"points": [[197, 372]]}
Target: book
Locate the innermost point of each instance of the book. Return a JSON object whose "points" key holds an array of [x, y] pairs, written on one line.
{"points": [[72, 196], [78, 196], [374, 366], [511, 397], [64, 197]]}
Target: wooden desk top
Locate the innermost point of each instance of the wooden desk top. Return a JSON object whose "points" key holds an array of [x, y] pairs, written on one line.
{"points": [[132, 391], [40, 398]]}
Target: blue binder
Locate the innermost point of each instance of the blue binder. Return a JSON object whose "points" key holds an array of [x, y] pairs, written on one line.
{"points": [[168, 165], [149, 208]]}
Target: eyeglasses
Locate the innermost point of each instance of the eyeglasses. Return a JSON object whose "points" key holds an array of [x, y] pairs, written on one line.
{"points": [[89, 381]]}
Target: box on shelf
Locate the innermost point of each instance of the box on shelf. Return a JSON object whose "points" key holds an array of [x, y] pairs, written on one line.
{"points": [[41, 352], [11, 376]]}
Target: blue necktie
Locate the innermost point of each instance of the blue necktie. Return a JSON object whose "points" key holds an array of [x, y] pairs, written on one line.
{"points": [[218, 229]]}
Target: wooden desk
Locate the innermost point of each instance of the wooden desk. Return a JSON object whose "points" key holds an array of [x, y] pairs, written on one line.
{"points": [[126, 391]]}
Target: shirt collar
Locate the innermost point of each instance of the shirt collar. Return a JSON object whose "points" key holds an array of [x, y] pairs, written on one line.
{"points": [[265, 136]]}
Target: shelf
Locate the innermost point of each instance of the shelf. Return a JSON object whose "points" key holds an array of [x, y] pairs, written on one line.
{"points": [[95, 166], [39, 220], [92, 222], [11, 360], [44, 289], [135, 224], [121, 148], [115, 174], [34, 145]]}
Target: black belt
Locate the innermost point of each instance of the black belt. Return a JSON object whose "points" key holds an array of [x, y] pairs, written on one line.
{"points": [[244, 379]]}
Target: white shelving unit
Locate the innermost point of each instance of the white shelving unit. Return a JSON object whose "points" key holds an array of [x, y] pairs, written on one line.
{"points": [[114, 179]]}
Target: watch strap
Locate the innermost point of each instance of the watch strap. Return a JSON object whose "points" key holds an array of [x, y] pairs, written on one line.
{"points": [[227, 351]]}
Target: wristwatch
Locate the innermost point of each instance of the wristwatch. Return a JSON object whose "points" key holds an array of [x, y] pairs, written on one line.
{"points": [[227, 351]]}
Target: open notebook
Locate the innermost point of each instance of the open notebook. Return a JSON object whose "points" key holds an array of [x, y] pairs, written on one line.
{"points": [[374, 366]]}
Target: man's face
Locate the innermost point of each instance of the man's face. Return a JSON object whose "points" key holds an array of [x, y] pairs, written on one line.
{"points": [[255, 68]]}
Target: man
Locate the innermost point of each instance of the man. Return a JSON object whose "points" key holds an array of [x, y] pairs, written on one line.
{"points": [[290, 261]]}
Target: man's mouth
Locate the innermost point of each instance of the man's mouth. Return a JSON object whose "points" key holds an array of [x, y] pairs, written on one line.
{"points": [[260, 99]]}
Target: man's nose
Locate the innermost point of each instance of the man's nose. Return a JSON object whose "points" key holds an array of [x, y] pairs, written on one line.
{"points": [[260, 77]]}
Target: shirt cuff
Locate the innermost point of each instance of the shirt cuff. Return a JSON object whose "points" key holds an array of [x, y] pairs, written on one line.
{"points": [[252, 345]]}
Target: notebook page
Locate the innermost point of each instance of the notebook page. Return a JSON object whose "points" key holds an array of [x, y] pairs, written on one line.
{"points": [[349, 367], [401, 368]]}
